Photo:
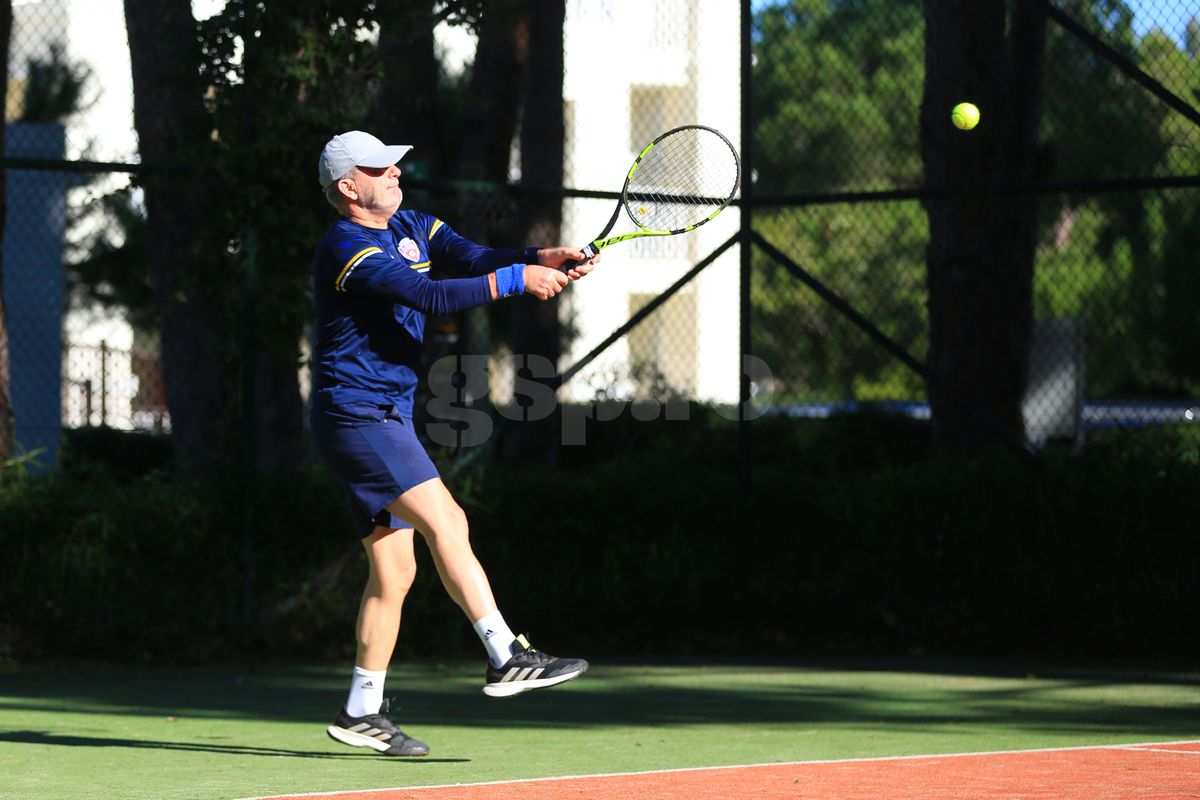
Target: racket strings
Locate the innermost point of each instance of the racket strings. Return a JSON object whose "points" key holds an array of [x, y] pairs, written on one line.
{"points": [[682, 180]]}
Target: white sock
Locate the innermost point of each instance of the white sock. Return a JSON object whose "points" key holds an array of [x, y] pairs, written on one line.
{"points": [[366, 692], [496, 637]]}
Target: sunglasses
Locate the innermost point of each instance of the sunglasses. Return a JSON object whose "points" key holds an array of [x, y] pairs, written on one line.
{"points": [[374, 172]]}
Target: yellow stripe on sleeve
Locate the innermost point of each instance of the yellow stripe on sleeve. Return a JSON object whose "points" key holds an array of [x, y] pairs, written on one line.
{"points": [[354, 261], [424, 265], [437, 225]]}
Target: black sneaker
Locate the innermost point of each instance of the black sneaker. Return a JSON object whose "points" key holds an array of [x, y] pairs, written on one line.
{"points": [[376, 731], [530, 669]]}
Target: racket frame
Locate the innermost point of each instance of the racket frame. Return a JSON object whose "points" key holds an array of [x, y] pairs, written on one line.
{"points": [[600, 242]]}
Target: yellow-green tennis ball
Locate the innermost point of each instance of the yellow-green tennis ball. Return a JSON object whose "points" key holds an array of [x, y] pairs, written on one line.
{"points": [[965, 116]]}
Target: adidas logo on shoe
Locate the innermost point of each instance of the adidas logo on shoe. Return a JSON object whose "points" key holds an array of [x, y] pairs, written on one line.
{"points": [[530, 669], [376, 731]]}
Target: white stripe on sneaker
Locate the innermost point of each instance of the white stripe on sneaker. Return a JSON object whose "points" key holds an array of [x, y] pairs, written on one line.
{"points": [[507, 688], [355, 739], [517, 674]]}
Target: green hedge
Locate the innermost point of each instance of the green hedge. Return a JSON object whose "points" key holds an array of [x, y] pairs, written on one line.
{"points": [[648, 541]]}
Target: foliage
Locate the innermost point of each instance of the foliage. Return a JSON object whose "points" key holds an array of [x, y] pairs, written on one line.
{"points": [[282, 83], [125, 455], [278, 80], [850, 535], [1122, 261], [138, 564], [16, 467], [837, 86], [110, 263], [814, 353], [285, 77], [55, 87], [837, 90]]}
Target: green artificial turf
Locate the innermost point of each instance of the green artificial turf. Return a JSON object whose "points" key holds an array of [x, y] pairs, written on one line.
{"points": [[203, 734]]}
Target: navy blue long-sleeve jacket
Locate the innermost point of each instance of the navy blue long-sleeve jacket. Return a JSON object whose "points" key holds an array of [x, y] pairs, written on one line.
{"points": [[373, 289]]}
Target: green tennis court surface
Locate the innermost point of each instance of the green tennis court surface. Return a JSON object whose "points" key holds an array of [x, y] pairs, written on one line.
{"points": [[109, 732]]}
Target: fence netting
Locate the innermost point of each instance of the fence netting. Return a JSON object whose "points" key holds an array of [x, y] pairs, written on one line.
{"points": [[835, 94]]}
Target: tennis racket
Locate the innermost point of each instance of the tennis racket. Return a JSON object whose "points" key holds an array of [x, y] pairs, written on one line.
{"points": [[680, 181]]}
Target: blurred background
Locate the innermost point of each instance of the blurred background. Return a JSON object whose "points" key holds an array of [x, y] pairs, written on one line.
{"points": [[918, 389]]}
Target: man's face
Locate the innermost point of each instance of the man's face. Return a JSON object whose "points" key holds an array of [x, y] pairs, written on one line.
{"points": [[378, 189]]}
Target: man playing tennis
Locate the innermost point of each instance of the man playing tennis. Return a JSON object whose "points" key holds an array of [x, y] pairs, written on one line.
{"points": [[374, 284]]}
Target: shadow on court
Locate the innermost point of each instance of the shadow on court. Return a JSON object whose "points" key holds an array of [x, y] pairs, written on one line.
{"points": [[38, 738], [679, 694]]}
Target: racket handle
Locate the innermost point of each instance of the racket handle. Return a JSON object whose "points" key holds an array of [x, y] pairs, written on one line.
{"points": [[588, 252]]}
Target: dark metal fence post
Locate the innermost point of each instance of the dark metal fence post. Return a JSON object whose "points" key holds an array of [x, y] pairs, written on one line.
{"points": [[103, 381], [249, 355], [745, 345]]}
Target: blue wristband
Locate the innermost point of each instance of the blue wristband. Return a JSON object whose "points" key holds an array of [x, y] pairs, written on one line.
{"points": [[510, 280]]}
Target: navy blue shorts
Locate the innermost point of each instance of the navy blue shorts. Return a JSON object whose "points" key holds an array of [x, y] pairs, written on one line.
{"points": [[376, 454]]}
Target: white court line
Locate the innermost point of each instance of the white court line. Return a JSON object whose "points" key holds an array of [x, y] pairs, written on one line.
{"points": [[1134, 747], [1161, 749]]}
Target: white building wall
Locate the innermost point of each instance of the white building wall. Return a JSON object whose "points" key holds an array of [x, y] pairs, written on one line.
{"points": [[614, 49], [96, 371]]}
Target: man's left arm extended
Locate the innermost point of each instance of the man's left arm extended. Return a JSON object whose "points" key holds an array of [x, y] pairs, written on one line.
{"points": [[448, 248]]}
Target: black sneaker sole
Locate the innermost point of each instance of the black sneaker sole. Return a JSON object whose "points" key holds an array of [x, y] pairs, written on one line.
{"points": [[361, 740], [515, 687]]}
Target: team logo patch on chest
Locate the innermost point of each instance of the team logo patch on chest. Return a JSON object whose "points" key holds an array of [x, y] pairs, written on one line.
{"points": [[408, 248]]}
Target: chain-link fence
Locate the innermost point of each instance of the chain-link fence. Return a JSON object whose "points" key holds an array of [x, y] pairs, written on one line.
{"points": [[70, 361], [832, 223], [839, 98]]}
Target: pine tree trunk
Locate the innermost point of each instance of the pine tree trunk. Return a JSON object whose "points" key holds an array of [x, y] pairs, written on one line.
{"points": [[407, 110], [173, 134], [981, 243], [489, 125], [536, 329], [490, 121]]}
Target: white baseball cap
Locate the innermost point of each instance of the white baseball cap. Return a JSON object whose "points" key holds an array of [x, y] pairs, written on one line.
{"points": [[353, 149]]}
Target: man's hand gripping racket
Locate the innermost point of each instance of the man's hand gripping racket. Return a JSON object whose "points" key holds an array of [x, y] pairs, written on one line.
{"points": [[680, 181]]}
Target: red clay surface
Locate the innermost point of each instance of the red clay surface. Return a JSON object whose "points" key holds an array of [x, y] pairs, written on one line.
{"points": [[1167, 771]]}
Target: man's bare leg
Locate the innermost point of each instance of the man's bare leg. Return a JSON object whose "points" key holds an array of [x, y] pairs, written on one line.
{"points": [[443, 523], [366, 720], [514, 666], [392, 566]]}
